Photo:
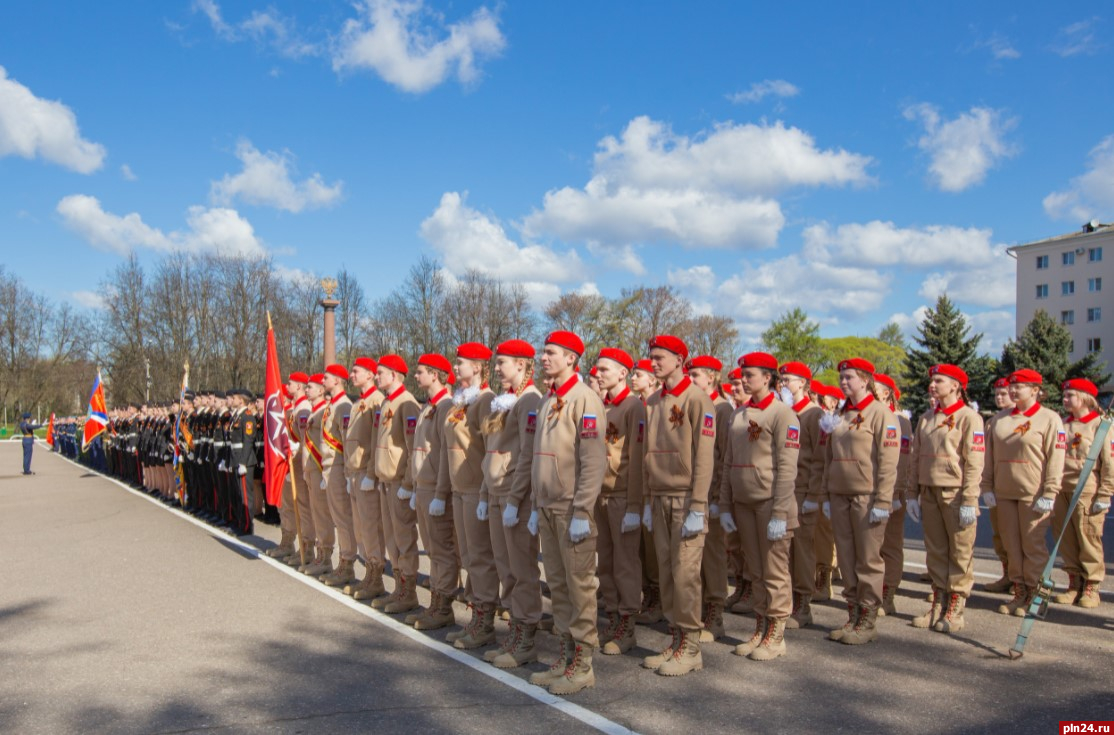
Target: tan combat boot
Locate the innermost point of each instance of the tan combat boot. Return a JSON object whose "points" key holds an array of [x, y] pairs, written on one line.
{"points": [[745, 605], [578, 675], [609, 630], [285, 546], [761, 623], [467, 628], [931, 617], [557, 669], [733, 598], [773, 643], [1071, 595], [296, 560], [407, 597], [888, 607], [864, 630], [951, 621], [381, 602], [651, 608], [372, 587], [713, 622], [439, 614], [686, 657], [852, 620], [823, 582], [482, 633], [1002, 585], [1030, 593], [1016, 603], [507, 644], [655, 661], [522, 651], [622, 640], [344, 575], [322, 563], [1089, 596], [801, 616]]}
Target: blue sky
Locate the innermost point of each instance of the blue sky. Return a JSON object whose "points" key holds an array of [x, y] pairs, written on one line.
{"points": [[757, 158]]}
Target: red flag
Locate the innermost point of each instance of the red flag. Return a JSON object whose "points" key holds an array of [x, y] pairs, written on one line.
{"points": [[274, 425], [50, 432], [97, 419]]}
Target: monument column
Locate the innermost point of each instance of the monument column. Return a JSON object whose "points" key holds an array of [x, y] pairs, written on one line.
{"points": [[329, 286]]}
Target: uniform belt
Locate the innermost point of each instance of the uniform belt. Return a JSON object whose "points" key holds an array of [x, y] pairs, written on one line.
{"points": [[237, 445]]}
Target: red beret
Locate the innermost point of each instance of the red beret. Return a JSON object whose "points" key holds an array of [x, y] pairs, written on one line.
{"points": [[816, 387], [1026, 376], [857, 363], [736, 374], [516, 348], [725, 388], [758, 360], [1002, 383], [671, 343], [706, 361], [337, 370], [951, 371], [298, 378], [316, 378], [473, 351], [394, 362], [366, 363], [568, 340], [437, 362], [593, 372], [833, 392], [619, 356], [644, 365], [796, 368], [1081, 384], [887, 381]]}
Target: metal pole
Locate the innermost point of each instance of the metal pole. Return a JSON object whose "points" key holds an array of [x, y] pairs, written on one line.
{"points": [[147, 393]]}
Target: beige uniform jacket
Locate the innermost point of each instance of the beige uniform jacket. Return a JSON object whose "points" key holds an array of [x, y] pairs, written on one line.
{"points": [[359, 441], [1081, 435], [297, 423], [394, 441], [763, 445], [810, 458], [905, 486], [460, 462], [334, 425], [313, 435], [570, 459], [724, 410], [509, 454], [862, 453], [427, 440], [949, 447], [680, 444], [626, 448], [1025, 454]]}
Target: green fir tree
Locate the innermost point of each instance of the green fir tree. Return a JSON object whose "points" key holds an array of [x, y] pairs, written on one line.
{"points": [[944, 336], [1045, 346]]}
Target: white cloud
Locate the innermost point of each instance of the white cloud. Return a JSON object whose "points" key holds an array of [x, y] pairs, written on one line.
{"points": [[211, 10], [265, 180], [390, 38], [997, 328], [207, 230], [263, 26], [467, 239], [758, 90], [127, 173], [88, 299], [1000, 47], [1090, 194], [964, 149], [623, 258], [1077, 38], [993, 284], [879, 243], [33, 127], [909, 323]]}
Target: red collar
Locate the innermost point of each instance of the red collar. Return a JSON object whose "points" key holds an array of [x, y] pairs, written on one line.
{"points": [[437, 398], [299, 401], [763, 404], [560, 392], [398, 392], [798, 407], [1029, 413], [678, 390], [853, 407], [336, 398], [319, 404], [1087, 419], [609, 401], [484, 386], [368, 392], [950, 409]]}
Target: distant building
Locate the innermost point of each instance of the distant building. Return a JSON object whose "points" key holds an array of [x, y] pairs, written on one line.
{"points": [[1072, 278]]}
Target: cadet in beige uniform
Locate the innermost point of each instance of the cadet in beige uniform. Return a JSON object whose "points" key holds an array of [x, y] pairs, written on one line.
{"points": [[570, 461], [319, 498], [1081, 548], [334, 425], [298, 406], [860, 469], [433, 375], [509, 442], [828, 398], [1023, 473], [740, 600], [758, 498], [643, 384], [893, 545], [948, 451], [1002, 401], [359, 450], [680, 447], [618, 512], [460, 474]]}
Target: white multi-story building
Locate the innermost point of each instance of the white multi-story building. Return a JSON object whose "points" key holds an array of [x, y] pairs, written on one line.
{"points": [[1072, 278]]}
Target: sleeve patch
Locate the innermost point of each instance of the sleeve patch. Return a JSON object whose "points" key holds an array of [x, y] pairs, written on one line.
{"points": [[642, 435], [346, 418], [377, 413], [249, 427], [980, 438], [1062, 440], [906, 444], [793, 437], [709, 425], [588, 427], [303, 421], [532, 422], [411, 424], [891, 432]]}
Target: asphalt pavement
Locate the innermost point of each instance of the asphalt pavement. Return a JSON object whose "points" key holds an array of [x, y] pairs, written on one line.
{"points": [[119, 615]]}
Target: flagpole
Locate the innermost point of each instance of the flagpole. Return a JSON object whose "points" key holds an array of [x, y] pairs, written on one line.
{"points": [[293, 484]]}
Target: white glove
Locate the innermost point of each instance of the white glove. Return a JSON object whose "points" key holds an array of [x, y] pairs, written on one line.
{"points": [[630, 523], [713, 511], [913, 509], [437, 507], [413, 501], [324, 484], [295, 447], [241, 470], [579, 529], [694, 524], [989, 499], [895, 506], [728, 522], [532, 523], [404, 494], [481, 511], [190, 456], [827, 508], [1043, 505], [1100, 506], [809, 507], [968, 514], [510, 515], [647, 517], [776, 529], [367, 484], [221, 466], [877, 515]]}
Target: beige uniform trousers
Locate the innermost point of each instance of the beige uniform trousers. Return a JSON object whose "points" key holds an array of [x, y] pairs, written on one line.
{"points": [[949, 549], [475, 550], [287, 521], [824, 542], [516, 560], [893, 548], [678, 564], [1023, 531], [713, 564], [1081, 548], [319, 507], [619, 566], [570, 571], [340, 510], [999, 547], [859, 548], [439, 542], [768, 561], [802, 552], [367, 514], [257, 496], [649, 558], [402, 545]]}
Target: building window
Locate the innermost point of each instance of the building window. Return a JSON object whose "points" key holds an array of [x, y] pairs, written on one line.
{"points": [[1071, 347], [1067, 317], [1094, 315], [1094, 344], [1042, 262], [1069, 258], [1094, 284], [1042, 291], [1094, 255], [1067, 288]]}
